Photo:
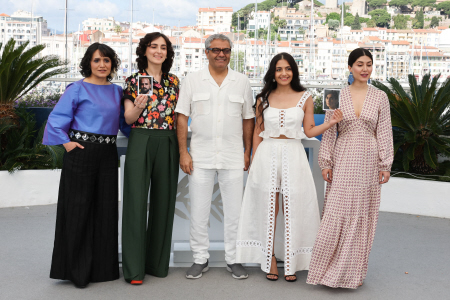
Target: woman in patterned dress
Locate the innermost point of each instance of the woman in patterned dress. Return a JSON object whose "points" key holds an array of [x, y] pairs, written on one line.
{"points": [[280, 167], [152, 155], [355, 164]]}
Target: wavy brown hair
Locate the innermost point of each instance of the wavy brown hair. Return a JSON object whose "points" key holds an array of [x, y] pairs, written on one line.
{"points": [[145, 42], [270, 85]]}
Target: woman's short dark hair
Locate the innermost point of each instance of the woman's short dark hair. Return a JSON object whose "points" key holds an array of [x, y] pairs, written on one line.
{"points": [[145, 42], [270, 84], [105, 51], [357, 53]]}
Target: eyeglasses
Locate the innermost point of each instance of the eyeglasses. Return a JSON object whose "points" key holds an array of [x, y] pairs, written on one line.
{"points": [[225, 51]]}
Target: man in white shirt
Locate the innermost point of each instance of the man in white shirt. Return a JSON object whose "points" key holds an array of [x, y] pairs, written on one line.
{"points": [[219, 102]]}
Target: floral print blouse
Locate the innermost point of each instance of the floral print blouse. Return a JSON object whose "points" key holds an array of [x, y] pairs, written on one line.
{"points": [[160, 110]]}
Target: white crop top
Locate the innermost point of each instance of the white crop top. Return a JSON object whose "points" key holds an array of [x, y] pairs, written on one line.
{"points": [[287, 122]]}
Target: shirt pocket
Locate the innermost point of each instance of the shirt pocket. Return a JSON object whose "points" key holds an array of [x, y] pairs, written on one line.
{"points": [[201, 103], [235, 104]]}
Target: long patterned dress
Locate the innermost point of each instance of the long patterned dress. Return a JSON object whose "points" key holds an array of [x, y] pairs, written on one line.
{"points": [[350, 214]]}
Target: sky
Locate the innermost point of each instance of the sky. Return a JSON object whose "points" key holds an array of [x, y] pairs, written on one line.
{"points": [[168, 12]]}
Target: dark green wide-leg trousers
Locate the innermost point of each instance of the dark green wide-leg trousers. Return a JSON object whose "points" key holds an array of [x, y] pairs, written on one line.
{"points": [[152, 156]]}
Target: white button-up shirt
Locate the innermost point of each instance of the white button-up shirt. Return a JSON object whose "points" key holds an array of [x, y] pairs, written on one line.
{"points": [[216, 118]]}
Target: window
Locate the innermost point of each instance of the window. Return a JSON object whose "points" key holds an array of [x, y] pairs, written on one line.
{"points": [[57, 45]]}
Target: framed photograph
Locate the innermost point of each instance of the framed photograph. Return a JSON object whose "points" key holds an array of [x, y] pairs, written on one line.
{"points": [[331, 99], [145, 85]]}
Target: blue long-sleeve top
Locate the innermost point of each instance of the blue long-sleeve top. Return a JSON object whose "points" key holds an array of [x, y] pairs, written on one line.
{"points": [[86, 107]]}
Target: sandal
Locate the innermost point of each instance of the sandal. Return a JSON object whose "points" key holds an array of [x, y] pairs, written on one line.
{"points": [[271, 274], [290, 280]]}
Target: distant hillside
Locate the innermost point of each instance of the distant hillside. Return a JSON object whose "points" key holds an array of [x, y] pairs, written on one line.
{"points": [[244, 13]]}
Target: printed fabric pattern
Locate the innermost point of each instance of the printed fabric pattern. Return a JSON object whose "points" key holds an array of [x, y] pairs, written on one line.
{"points": [[160, 110]]}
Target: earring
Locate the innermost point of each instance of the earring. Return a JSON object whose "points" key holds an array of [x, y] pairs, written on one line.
{"points": [[273, 80]]}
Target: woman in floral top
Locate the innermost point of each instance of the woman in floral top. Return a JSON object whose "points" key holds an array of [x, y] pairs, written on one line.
{"points": [[152, 156]]}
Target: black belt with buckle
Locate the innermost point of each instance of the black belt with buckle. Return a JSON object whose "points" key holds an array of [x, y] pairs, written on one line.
{"points": [[78, 135]]}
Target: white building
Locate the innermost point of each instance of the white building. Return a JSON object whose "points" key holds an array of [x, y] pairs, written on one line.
{"points": [[218, 19], [22, 27], [331, 3], [104, 24], [359, 6], [262, 20]]}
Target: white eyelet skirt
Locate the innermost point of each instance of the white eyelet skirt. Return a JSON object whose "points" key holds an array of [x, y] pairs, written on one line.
{"points": [[279, 165]]}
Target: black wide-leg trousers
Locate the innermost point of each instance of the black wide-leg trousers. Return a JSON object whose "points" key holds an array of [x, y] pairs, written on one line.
{"points": [[86, 235]]}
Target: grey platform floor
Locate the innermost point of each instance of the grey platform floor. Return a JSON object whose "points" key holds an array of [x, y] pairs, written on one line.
{"points": [[403, 243]]}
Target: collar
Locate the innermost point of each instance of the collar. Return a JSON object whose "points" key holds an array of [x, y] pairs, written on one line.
{"points": [[207, 75]]}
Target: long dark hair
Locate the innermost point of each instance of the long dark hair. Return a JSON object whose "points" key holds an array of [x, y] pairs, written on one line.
{"points": [[357, 53], [270, 84], [106, 51], [145, 42]]}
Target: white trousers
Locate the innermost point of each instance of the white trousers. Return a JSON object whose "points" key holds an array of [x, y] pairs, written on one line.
{"points": [[201, 185]]}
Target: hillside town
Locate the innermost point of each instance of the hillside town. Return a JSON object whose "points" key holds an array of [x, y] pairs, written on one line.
{"points": [[405, 37]]}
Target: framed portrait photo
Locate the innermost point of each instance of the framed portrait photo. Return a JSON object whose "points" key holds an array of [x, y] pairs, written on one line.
{"points": [[331, 99], [145, 85]]}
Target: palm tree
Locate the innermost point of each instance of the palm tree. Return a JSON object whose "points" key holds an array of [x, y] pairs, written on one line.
{"points": [[421, 121], [20, 71], [117, 29]]}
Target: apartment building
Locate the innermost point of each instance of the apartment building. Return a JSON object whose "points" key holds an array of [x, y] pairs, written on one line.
{"points": [[102, 24], [297, 26], [262, 20], [218, 19], [22, 26]]}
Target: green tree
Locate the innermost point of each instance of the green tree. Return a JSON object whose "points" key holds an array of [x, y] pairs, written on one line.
{"points": [[348, 21], [376, 3], [317, 3], [356, 25], [381, 17], [400, 21], [281, 23], [333, 24], [423, 3], [434, 22], [363, 20], [333, 16], [371, 23], [399, 3], [444, 7], [237, 64], [117, 29], [418, 20], [21, 70]]}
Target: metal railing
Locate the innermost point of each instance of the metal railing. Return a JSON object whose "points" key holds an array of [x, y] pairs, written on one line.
{"points": [[257, 83]]}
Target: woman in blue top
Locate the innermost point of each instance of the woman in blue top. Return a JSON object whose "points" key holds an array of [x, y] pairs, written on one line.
{"points": [[86, 121]]}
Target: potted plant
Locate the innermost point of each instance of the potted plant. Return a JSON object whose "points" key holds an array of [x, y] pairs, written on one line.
{"points": [[319, 113], [38, 103], [20, 150], [421, 121], [421, 127], [20, 71]]}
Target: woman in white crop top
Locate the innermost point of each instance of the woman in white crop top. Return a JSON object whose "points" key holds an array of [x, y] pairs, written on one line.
{"points": [[280, 166]]}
